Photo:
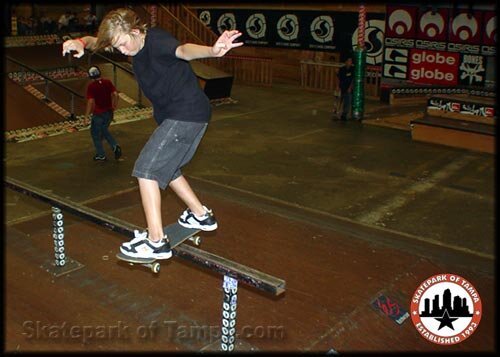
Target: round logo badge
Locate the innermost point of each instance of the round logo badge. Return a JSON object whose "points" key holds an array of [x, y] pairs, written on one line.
{"points": [[446, 309]]}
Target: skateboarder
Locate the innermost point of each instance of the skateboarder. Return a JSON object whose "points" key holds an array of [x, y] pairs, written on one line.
{"points": [[181, 110], [102, 99]]}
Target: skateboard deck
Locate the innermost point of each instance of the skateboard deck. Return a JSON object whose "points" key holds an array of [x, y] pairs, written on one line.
{"points": [[176, 235], [337, 110]]}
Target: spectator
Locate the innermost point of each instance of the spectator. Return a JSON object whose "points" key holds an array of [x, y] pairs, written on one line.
{"points": [[63, 23], [346, 76], [90, 22]]}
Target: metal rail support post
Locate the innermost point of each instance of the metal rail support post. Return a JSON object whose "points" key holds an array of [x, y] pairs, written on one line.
{"points": [[58, 235], [230, 290]]}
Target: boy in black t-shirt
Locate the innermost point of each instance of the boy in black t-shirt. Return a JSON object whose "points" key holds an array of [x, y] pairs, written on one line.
{"points": [[181, 109]]}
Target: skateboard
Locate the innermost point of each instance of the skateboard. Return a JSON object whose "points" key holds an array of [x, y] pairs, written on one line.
{"points": [[176, 234], [337, 110]]}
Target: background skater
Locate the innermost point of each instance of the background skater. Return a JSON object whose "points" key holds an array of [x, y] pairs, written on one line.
{"points": [[102, 99]]}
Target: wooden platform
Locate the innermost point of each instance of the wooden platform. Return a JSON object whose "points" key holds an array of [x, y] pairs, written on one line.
{"points": [[456, 133], [398, 121], [215, 83]]}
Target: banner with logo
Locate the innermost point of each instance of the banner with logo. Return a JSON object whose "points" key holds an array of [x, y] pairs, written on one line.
{"points": [[438, 46], [446, 309], [432, 28], [465, 33], [434, 67], [455, 105], [489, 32], [308, 30]]}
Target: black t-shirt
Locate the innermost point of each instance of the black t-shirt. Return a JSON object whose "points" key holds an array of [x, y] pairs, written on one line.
{"points": [[345, 75], [169, 82]]}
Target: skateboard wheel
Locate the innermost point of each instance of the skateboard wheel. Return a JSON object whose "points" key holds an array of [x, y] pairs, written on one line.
{"points": [[155, 268], [196, 240]]}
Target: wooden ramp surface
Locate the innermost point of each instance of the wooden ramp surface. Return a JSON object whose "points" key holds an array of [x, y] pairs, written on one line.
{"points": [[332, 280]]}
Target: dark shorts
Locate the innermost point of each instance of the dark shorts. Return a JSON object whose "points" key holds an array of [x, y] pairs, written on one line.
{"points": [[171, 146]]}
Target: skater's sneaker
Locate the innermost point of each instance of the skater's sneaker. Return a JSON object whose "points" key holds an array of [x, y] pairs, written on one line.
{"points": [[118, 152], [99, 158], [206, 223], [142, 247]]}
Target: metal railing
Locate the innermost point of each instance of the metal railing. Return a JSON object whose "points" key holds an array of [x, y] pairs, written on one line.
{"points": [[29, 70], [322, 76], [115, 74]]}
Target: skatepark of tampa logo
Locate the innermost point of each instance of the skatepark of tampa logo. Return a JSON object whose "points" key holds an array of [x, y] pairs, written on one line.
{"points": [[446, 309]]}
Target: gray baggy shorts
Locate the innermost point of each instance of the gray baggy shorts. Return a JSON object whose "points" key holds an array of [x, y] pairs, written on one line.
{"points": [[171, 146]]}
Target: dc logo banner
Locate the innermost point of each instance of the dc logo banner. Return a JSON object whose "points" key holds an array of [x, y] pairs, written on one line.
{"points": [[374, 41], [205, 17], [314, 30], [322, 31], [256, 26], [446, 309], [226, 22], [288, 27]]}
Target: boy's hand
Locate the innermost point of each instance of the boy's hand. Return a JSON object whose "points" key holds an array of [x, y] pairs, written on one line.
{"points": [[73, 45], [225, 43]]}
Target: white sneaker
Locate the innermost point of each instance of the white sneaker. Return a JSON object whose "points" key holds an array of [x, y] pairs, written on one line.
{"points": [[142, 247], [206, 223]]}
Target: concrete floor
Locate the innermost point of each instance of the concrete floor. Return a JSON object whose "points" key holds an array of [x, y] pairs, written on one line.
{"points": [[323, 204]]}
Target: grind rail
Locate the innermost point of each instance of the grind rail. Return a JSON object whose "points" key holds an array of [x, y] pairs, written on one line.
{"points": [[232, 272]]}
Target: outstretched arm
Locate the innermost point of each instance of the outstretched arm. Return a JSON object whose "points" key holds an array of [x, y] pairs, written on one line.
{"points": [[79, 45], [223, 45]]}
